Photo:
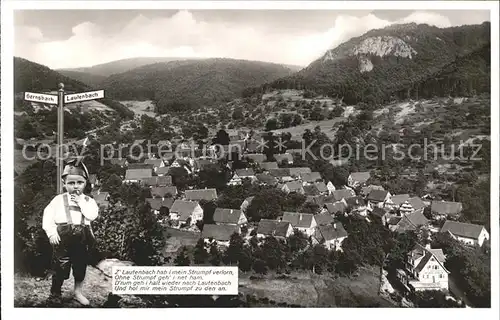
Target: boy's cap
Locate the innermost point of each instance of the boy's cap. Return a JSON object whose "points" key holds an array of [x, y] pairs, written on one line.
{"points": [[75, 167]]}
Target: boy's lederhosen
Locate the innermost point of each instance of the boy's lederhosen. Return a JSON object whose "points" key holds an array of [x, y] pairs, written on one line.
{"points": [[72, 250]]}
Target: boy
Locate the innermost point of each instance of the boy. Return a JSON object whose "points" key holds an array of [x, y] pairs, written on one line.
{"points": [[66, 221]]}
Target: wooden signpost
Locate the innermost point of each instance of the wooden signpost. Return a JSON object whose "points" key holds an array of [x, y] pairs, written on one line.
{"points": [[60, 99]]}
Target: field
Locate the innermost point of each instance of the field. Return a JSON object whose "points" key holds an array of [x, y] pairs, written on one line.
{"points": [[325, 125], [140, 107], [178, 238], [310, 290]]}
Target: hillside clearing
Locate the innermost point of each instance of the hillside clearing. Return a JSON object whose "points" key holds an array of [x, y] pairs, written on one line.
{"points": [[140, 107]]}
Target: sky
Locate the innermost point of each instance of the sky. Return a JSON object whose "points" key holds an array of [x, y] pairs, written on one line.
{"points": [[81, 38]]}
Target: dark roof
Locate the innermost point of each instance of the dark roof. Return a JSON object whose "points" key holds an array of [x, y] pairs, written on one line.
{"points": [[330, 232], [399, 199], [294, 186], [272, 227], [342, 194], [354, 202], [297, 171], [138, 165], [411, 221], [266, 178], [416, 203], [163, 191], [426, 254], [283, 156], [157, 203], [323, 219], [219, 232], [379, 212], [446, 207], [223, 215], [368, 189], [245, 172], [321, 186], [377, 195], [269, 165], [256, 157], [297, 219], [281, 172], [184, 208], [466, 230], [138, 174], [201, 194], [311, 177], [154, 162], [336, 207], [311, 190]]}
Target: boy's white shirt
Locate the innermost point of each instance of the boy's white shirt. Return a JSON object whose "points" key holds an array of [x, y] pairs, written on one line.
{"points": [[55, 213]]}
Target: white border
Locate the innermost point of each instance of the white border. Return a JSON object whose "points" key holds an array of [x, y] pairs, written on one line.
{"points": [[7, 160]]}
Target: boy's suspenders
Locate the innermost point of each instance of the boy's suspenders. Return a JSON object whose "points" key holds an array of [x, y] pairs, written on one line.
{"points": [[68, 215]]}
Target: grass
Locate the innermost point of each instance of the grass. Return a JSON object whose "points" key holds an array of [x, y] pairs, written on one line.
{"points": [[140, 107], [325, 125], [178, 238]]}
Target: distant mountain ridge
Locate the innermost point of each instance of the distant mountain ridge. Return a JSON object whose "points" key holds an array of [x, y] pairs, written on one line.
{"points": [[177, 85], [386, 63], [119, 66], [34, 77]]}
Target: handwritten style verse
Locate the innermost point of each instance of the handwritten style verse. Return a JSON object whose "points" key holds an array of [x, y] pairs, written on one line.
{"points": [[175, 280]]}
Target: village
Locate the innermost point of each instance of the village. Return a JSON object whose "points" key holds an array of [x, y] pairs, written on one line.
{"points": [[424, 268]]}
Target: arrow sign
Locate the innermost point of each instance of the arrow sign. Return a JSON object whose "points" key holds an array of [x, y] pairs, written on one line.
{"points": [[83, 96], [40, 97]]}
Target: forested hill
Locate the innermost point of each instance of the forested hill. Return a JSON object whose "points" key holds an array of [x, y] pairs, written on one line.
{"points": [[179, 85], [395, 61], [34, 77]]}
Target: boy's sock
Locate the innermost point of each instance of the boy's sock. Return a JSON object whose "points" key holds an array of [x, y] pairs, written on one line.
{"points": [[78, 293]]}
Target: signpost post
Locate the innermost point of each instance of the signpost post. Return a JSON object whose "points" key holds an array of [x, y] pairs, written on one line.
{"points": [[60, 99]]}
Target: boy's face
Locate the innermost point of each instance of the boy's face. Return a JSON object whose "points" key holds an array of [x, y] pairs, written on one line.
{"points": [[74, 183]]}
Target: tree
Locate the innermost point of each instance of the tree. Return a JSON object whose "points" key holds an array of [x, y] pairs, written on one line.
{"points": [[215, 255], [200, 254], [182, 258], [235, 250]]}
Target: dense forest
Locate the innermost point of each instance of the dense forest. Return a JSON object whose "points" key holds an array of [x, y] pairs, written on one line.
{"points": [[34, 77], [451, 61], [181, 85]]}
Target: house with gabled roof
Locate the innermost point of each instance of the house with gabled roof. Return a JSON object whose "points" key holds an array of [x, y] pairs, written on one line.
{"points": [[266, 179], [182, 211], [163, 171], [282, 174], [137, 175], [164, 192], [311, 177], [416, 203], [201, 194], [220, 233], [310, 190], [293, 186], [283, 157], [275, 228], [229, 216], [357, 205], [425, 269], [304, 222], [377, 198], [358, 178], [139, 165], [298, 171], [268, 165], [156, 163], [330, 187], [331, 236], [468, 233], [446, 209], [244, 205], [241, 174], [407, 222], [157, 203], [256, 157], [158, 181], [396, 201], [340, 194], [324, 219], [335, 208], [365, 191]]}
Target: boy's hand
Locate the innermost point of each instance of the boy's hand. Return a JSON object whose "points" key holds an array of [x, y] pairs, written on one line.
{"points": [[54, 239], [75, 198]]}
